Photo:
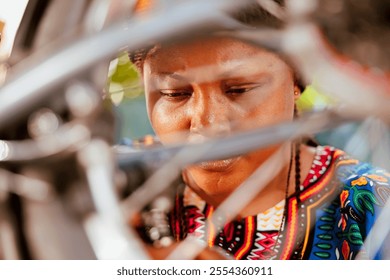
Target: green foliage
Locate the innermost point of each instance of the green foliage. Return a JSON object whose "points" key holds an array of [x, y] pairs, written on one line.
{"points": [[125, 91], [123, 80], [311, 99]]}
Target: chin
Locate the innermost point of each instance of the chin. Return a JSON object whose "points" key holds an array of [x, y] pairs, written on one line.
{"points": [[220, 166], [214, 183]]}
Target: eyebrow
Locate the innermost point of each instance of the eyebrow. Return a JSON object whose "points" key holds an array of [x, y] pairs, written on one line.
{"points": [[226, 74], [172, 75], [231, 72], [234, 71]]}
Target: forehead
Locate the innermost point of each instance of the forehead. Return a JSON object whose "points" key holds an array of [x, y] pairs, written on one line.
{"points": [[211, 53]]}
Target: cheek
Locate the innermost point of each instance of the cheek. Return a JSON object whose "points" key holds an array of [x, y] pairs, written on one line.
{"points": [[273, 110], [168, 121], [272, 104], [279, 109]]}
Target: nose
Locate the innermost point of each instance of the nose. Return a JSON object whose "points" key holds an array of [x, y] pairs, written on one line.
{"points": [[210, 112]]}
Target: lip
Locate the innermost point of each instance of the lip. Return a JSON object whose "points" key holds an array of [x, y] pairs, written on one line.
{"points": [[222, 165]]}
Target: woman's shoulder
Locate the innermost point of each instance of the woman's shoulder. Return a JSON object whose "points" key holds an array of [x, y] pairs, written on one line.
{"points": [[355, 173], [365, 188]]}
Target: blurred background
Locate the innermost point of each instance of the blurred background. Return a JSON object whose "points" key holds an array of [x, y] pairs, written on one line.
{"points": [[356, 30], [67, 82]]}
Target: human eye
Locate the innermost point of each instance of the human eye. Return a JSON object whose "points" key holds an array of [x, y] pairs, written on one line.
{"points": [[240, 89], [175, 95]]}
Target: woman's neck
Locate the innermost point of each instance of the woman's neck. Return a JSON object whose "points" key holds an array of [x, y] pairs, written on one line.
{"points": [[273, 192]]}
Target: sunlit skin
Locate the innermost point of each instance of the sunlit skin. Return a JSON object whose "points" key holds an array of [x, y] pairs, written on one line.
{"points": [[212, 87]]}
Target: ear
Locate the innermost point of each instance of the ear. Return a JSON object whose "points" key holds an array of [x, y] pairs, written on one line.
{"points": [[297, 92]]}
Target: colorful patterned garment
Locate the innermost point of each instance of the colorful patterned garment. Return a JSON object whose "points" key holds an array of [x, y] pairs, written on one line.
{"points": [[331, 220]]}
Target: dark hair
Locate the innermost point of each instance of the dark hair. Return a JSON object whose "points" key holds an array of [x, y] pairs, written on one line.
{"points": [[252, 15]]}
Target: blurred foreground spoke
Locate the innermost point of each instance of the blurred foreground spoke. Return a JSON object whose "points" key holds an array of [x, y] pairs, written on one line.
{"points": [[68, 190]]}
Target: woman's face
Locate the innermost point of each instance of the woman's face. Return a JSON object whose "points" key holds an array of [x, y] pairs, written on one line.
{"points": [[214, 87]]}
